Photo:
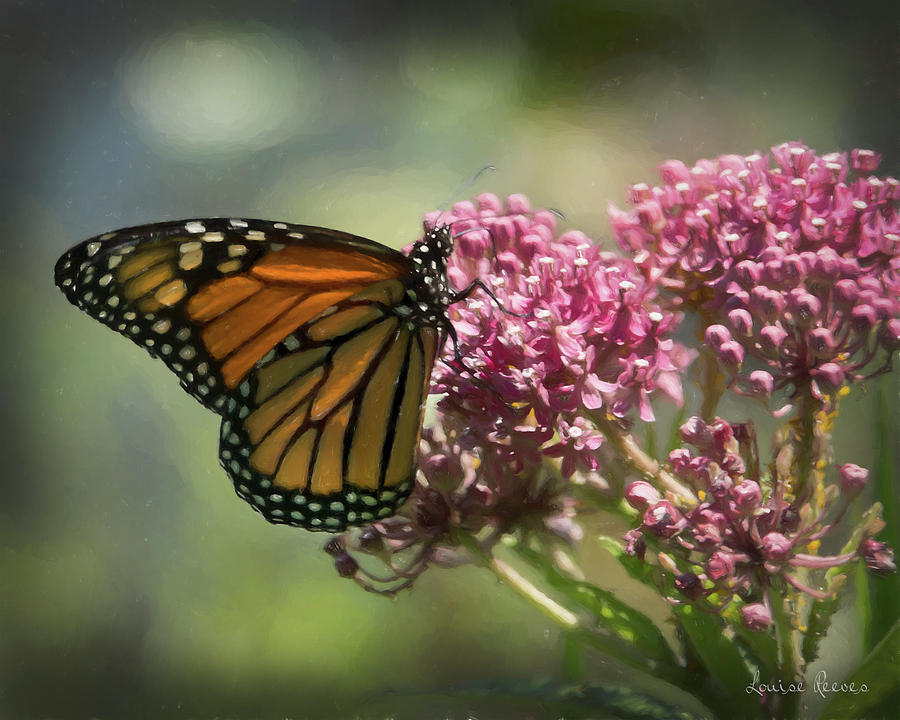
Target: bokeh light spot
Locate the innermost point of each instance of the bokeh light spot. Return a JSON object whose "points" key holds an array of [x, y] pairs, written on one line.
{"points": [[217, 91]]}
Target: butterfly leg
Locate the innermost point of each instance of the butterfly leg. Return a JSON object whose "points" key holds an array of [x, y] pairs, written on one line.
{"points": [[479, 284], [458, 364]]}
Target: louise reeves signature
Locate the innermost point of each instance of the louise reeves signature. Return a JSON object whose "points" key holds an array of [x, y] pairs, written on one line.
{"points": [[820, 686]]}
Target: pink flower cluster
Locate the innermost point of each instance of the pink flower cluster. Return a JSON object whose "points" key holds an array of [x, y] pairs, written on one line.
{"points": [[744, 532], [591, 339], [456, 493], [792, 261], [567, 331]]}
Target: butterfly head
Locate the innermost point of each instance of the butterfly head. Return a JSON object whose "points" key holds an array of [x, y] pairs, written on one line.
{"points": [[429, 257]]}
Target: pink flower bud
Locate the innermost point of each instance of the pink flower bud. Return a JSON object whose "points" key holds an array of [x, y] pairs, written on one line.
{"points": [[489, 204], [722, 434], [716, 335], [776, 547], [845, 292], [761, 382], [892, 331], [689, 585], [864, 316], [771, 338], [731, 353], [518, 204], [663, 520], [651, 216], [720, 565], [829, 375], [853, 478], [793, 268], [827, 263], [695, 432], [721, 486], [806, 307], [741, 321], [756, 617], [879, 558], [635, 545], [674, 172], [885, 307], [641, 495], [822, 342], [714, 517], [864, 160], [768, 302], [790, 519], [747, 495], [747, 273], [706, 535], [733, 464]]}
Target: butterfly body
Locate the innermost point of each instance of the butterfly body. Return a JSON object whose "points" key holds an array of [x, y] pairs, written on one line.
{"points": [[314, 346]]}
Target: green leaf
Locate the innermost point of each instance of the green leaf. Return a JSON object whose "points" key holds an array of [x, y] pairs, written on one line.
{"points": [[573, 658], [634, 630], [552, 701], [635, 567], [761, 648], [817, 626], [880, 673], [722, 660], [884, 591], [822, 610]]}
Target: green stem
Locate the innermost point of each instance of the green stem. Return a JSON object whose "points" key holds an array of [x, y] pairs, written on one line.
{"points": [[806, 407], [713, 386], [510, 577], [634, 455], [788, 666]]}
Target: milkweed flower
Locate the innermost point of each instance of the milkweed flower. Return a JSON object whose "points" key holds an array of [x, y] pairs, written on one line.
{"points": [[592, 338], [564, 333], [791, 260], [739, 537]]}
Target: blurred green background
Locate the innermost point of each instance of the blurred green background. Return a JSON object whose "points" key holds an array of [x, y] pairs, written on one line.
{"points": [[133, 583]]}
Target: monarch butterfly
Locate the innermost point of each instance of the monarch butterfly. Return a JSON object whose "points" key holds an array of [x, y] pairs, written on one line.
{"points": [[315, 346]]}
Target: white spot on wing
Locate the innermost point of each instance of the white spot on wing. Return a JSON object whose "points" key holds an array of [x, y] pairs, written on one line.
{"points": [[195, 226], [235, 222], [92, 248]]}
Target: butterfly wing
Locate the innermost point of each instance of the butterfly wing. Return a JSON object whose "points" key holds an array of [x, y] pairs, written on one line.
{"points": [[327, 430], [292, 334], [212, 297]]}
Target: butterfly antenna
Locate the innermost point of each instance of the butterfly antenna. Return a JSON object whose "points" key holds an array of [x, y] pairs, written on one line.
{"points": [[559, 213], [456, 193]]}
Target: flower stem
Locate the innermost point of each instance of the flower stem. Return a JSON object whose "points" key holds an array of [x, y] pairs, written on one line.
{"points": [[806, 441], [632, 452], [549, 607], [788, 667], [713, 386], [510, 577]]}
